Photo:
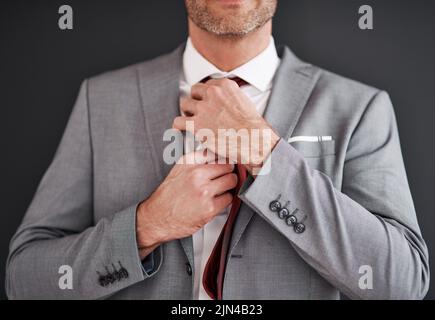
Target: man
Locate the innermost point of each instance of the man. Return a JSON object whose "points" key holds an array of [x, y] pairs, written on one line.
{"points": [[322, 208]]}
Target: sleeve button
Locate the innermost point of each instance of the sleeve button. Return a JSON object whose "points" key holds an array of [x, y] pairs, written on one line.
{"points": [[275, 205], [291, 220], [299, 228], [102, 280], [283, 213], [123, 273]]}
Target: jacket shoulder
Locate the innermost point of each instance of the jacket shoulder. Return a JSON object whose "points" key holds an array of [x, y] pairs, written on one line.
{"points": [[128, 76], [347, 97], [342, 87]]}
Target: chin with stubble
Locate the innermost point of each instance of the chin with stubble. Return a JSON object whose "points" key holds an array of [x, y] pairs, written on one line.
{"points": [[230, 18]]}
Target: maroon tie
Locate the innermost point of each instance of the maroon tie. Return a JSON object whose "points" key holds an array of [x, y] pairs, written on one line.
{"points": [[214, 271], [240, 82]]}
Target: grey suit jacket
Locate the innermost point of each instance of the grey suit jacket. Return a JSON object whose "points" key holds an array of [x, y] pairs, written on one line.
{"points": [[351, 193]]}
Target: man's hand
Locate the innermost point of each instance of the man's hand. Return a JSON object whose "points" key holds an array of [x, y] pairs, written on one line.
{"points": [[221, 105], [189, 197]]}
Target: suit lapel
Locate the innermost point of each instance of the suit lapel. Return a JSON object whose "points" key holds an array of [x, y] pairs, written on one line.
{"points": [[158, 81], [159, 95], [293, 85]]}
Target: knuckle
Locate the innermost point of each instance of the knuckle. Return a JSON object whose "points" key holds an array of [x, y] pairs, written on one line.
{"points": [[174, 123], [210, 209], [205, 193], [183, 105], [226, 81], [230, 83], [212, 90], [196, 177]]}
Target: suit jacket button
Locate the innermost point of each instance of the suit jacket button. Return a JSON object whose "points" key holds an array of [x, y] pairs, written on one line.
{"points": [[283, 213], [102, 280], [188, 268], [291, 220], [275, 205], [117, 274], [123, 273], [110, 278], [299, 228]]}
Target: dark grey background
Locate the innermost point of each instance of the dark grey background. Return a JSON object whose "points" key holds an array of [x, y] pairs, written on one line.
{"points": [[41, 68]]}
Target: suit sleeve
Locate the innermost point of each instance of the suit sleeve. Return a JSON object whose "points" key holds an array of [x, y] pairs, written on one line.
{"points": [[58, 229], [368, 228]]}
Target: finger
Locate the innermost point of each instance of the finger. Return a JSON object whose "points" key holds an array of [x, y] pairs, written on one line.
{"points": [[199, 157], [198, 91], [188, 106], [217, 159], [205, 156], [224, 183], [214, 171], [223, 82], [216, 81], [222, 201], [180, 123]]}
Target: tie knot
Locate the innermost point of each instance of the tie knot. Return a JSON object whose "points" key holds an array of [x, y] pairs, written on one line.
{"points": [[240, 82]]}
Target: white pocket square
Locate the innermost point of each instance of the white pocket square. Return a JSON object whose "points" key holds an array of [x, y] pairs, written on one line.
{"points": [[310, 139]]}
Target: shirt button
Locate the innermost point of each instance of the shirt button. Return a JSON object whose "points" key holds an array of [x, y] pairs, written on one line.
{"points": [[188, 268]]}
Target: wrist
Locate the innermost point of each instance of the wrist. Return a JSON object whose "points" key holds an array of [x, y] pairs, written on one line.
{"points": [[144, 252], [146, 235], [260, 150]]}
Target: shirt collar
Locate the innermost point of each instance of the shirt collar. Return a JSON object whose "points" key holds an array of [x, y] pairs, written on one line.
{"points": [[258, 71]]}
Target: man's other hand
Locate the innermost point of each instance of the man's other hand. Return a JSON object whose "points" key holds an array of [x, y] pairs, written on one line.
{"points": [[191, 195]]}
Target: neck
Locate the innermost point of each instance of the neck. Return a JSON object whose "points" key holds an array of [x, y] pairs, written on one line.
{"points": [[228, 53]]}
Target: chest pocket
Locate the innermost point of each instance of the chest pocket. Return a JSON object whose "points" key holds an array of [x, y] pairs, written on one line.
{"points": [[320, 156], [315, 149]]}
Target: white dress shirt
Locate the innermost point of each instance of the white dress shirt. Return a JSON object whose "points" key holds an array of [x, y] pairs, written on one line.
{"points": [[258, 73]]}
